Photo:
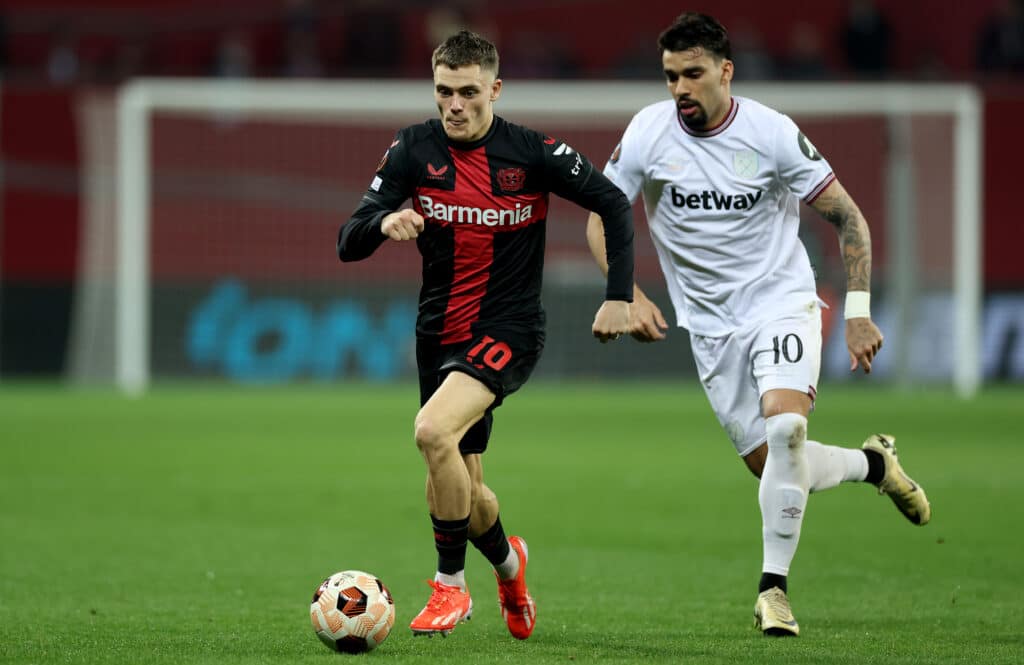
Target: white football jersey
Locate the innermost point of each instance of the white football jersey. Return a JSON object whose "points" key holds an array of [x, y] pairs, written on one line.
{"points": [[723, 207]]}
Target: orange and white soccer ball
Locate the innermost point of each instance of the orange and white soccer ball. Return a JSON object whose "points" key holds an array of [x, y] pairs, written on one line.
{"points": [[352, 611]]}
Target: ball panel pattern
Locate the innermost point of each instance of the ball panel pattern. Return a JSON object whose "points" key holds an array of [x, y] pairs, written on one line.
{"points": [[351, 601], [352, 612]]}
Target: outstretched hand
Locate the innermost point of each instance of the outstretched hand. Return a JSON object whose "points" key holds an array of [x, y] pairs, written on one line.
{"points": [[612, 320], [864, 341], [646, 323], [404, 224]]}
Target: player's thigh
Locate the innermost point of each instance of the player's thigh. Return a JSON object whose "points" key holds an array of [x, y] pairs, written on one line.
{"points": [[784, 400], [723, 364], [460, 401], [502, 358], [787, 362]]}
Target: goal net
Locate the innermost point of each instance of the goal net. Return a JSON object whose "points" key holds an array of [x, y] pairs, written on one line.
{"points": [[213, 254]]}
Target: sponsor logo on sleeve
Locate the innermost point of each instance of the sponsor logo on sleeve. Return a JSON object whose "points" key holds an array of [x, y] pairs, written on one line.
{"points": [[806, 147], [384, 159], [564, 150], [616, 154]]}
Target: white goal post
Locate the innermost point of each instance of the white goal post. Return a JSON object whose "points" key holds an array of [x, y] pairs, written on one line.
{"points": [[398, 102]]}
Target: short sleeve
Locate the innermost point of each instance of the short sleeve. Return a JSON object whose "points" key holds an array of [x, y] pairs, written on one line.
{"points": [[801, 167], [625, 166]]}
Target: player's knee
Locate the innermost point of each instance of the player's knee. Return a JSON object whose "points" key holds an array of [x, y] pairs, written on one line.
{"points": [[432, 440], [787, 431]]}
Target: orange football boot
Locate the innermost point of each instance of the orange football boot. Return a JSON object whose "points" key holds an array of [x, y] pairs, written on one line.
{"points": [[517, 607], [448, 605]]}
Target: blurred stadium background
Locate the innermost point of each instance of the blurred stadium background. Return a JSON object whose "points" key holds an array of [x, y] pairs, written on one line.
{"points": [[244, 209], [191, 525]]}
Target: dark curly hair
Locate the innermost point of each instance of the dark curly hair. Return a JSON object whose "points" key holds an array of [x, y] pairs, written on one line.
{"points": [[692, 29], [466, 48]]}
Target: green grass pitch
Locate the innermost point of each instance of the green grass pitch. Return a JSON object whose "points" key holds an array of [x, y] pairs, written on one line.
{"points": [[192, 526]]}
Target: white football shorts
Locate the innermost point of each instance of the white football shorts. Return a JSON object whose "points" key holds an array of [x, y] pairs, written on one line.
{"points": [[737, 369]]}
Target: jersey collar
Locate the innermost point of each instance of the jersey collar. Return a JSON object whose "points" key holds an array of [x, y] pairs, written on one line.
{"points": [[717, 129]]}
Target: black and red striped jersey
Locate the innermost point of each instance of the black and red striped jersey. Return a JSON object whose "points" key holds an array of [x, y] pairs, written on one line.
{"points": [[485, 205]]}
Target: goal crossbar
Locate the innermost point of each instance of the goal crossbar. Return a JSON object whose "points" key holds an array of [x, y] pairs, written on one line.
{"points": [[392, 102]]}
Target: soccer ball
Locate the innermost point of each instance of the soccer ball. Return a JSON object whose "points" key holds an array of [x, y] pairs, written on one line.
{"points": [[352, 611]]}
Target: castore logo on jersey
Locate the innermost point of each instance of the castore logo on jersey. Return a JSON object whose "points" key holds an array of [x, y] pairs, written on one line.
{"points": [[434, 173]]}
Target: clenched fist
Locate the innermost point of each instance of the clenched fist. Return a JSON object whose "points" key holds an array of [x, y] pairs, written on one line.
{"points": [[402, 225]]}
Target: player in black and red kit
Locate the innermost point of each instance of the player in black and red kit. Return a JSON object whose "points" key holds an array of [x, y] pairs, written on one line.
{"points": [[479, 187]]}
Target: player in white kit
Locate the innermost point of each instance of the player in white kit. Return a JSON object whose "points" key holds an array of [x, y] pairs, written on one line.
{"points": [[722, 178]]}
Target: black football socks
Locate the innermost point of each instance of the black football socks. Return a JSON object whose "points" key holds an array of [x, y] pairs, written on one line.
{"points": [[876, 467], [493, 544], [768, 580], [450, 538]]}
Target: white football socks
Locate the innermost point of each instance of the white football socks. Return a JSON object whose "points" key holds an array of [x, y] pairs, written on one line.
{"points": [[785, 482], [508, 568], [831, 465], [455, 579]]}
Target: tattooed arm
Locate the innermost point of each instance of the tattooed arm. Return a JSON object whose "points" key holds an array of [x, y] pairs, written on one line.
{"points": [[863, 338]]}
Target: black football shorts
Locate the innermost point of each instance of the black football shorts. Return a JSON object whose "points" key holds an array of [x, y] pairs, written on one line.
{"points": [[502, 359]]}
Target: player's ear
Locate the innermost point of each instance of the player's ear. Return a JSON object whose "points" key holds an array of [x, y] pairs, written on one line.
{"points": [[495, 90], [727, 71]]}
